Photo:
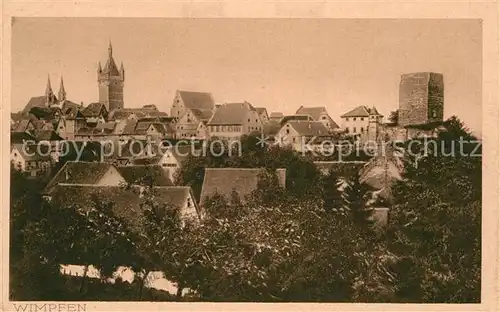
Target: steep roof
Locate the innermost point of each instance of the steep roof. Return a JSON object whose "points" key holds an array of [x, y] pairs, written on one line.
{"points": [[17, 116], [314, 112], [231, 114], [22, 125], [130, 127], [36, 101], [199, 100], [118, 114], [126, 202], [276, 115], [224, 181], [202, 114], [309, 128], [361, 111], [261, 110], [32, 151], [155, 175], [79, 172], [93, 110], [47, 135], [20, 137]]}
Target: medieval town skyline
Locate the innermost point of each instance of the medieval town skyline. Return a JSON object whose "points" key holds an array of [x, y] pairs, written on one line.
{"points": [[279, 73]]}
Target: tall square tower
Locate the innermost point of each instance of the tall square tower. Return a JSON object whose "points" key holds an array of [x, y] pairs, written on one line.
{"points": [[421, 98]]}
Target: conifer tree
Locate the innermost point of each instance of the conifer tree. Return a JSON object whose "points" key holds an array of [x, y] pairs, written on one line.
{"points": [[355, 202], [332, 196]]}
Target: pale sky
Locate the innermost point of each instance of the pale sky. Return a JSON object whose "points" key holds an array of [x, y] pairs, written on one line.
{"points": [[280, 64]]}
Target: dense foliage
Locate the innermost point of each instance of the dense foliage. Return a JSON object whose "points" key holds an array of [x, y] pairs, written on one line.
{"points": [[313, 241]]}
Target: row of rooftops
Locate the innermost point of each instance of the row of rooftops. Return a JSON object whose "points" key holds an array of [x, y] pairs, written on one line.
{"points": [[222, 181]]}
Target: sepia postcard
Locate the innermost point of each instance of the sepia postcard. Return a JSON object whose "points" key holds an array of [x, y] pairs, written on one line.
{"points": [[250, 156]]}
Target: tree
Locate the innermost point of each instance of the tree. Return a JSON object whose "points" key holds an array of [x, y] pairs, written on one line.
{"points": [[332, 195], [355, 202], [436, 234], [394, 116]]}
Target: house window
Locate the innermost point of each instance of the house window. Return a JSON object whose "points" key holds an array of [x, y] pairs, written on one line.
{"points": [[354, 119], [362, 119], [287, 131], [347, 129], [323, 117], [347, 119], [293, 140], [354, 129], [248, 119], [256, 120], [362, 130]]}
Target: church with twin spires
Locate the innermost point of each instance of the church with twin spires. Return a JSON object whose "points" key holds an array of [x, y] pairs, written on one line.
{"points": [[111, 80]]}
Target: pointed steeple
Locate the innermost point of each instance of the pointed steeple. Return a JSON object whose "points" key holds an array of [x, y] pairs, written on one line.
{"points": [[122, 71], [50, 98], [110, 50], [48, 89], [62, 92]]}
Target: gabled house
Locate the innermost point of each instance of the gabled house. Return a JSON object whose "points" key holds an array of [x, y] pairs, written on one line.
{"points": [[233, 120], [32, 159], [234, 181], [193, 124], [153, 130], [276, 116], [24, 125], [170, 159], [95, 113], [52, 139], [73, 121], [86, 173], [318, 114], [189, 100], [362, 122], [264, 116], [126, 202], [304, 136]]}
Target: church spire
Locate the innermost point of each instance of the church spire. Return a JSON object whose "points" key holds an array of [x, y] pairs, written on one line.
{"points": [[62, 92], [48, 89], [50, 98], [110, 50]]}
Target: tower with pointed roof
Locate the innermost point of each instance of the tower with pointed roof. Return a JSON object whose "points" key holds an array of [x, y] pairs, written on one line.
{"points": [[111, 81], [50, 97], [374, 120], [62, 91]]}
